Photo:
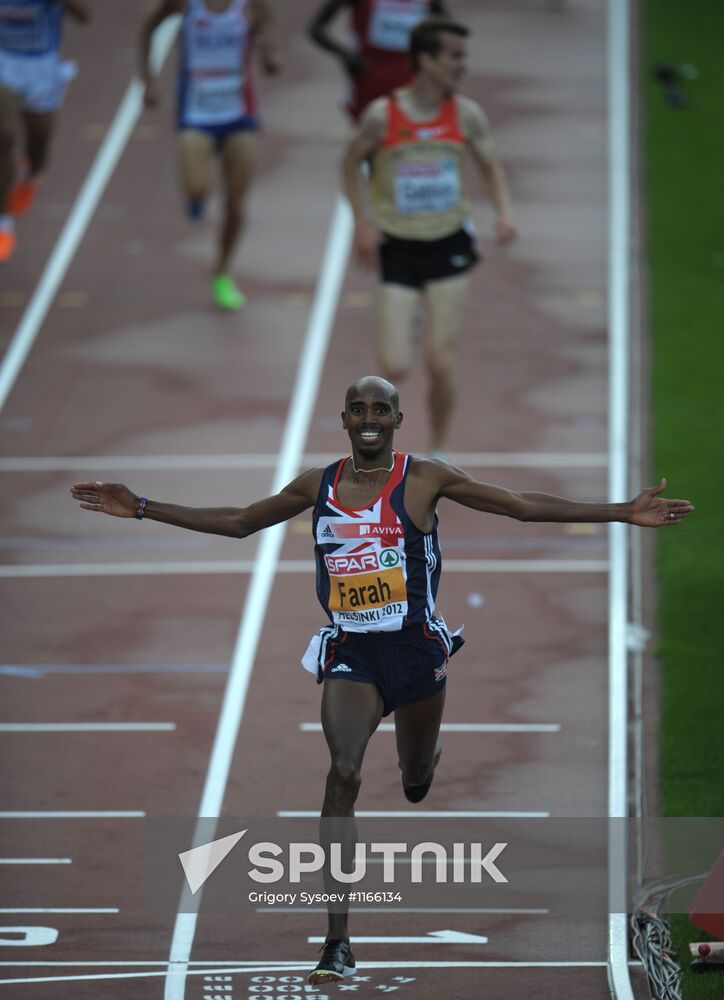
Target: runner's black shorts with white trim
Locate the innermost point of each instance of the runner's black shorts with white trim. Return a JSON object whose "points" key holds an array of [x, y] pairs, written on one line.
{"points": [[405, 666], [414, 263]]}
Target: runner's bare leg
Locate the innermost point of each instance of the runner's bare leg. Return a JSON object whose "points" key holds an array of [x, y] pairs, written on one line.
{"points": [[397, 308], [351, 711], [445, 307], [238, 160], [417, 727]]}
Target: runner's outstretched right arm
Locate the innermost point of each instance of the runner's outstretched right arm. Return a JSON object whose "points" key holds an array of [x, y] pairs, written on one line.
{"points": [[235, 522]]}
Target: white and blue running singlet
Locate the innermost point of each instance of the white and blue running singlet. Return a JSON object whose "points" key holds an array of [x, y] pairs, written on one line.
{"points": [[376, 572], [215, 86], [30, 27]]}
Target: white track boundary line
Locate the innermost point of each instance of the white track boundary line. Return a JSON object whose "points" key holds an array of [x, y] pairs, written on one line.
{"points": [[296, 429], [619, 251], [72, 814], [36, 861], [87, 727], [80, 215], [60, 909], [461, 727], [219, 566], [265, 460], [421, 814]]}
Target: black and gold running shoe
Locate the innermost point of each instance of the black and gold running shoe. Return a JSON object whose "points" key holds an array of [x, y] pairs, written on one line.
{"points": [[337, 961]]}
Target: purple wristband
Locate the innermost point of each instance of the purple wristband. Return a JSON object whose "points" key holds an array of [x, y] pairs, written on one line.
{"points": [[140, 510]]}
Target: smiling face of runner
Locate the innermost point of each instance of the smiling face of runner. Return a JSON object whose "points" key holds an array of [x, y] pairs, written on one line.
{"points": [[447, 67], [371, 416]]}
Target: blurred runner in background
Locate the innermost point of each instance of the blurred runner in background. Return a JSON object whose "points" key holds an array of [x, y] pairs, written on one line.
{"points": [[378, 62], [32, 84], [420, 232], [217, 109]]}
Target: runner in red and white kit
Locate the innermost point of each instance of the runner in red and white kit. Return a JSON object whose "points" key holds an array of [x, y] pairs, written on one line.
{"points": [[421, 234], [378, 569], [217, 112], [379, 61]]}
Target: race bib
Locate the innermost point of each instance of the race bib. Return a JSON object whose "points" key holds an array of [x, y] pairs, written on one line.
{"points": [[25, 31], [392, 22], [367, 588], [215, 98], [427, 187]]}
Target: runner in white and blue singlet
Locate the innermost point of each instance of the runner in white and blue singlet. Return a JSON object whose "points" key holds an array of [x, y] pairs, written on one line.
{"points": [[33, 79], [217, 110], [375, 526]]}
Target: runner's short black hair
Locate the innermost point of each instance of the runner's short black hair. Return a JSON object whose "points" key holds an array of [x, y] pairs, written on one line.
{"points": [[427, 37]]}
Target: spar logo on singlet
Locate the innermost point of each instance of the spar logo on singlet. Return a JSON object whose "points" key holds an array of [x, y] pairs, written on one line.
{"points": [[362, 562]]}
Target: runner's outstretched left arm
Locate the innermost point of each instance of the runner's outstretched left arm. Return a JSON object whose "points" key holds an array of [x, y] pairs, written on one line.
{"points": [[649, 509]]}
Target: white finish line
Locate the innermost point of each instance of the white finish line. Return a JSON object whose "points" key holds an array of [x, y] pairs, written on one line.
{"points": [[220, 968], [87, 727], [200, 567], [462, 727]]}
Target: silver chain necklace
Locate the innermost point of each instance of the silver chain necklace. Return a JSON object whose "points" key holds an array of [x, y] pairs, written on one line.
{"points": [[380, 468]]}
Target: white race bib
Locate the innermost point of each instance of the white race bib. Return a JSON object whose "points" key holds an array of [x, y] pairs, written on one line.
{"points": [[392, 22], [427, 187], [215, 98]]}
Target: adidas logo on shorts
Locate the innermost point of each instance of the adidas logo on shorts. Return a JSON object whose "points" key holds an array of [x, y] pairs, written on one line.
{"points": [[459, 260], [341, 668]]}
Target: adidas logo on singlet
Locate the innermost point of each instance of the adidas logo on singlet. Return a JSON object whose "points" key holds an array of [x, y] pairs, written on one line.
{"points": [[328, 533]]}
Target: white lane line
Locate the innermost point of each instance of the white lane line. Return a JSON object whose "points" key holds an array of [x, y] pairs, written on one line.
{"points": [[221, 969], [87, 727], [440, 814], [267, 460], [462, 727], [60, 909], [188, 568], [36, 861], [80, 215], [72, 814], [619, 258], [296, 429]]}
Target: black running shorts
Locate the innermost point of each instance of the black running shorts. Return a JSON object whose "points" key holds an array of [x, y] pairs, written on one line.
{"points": [[413, 263], [404, 666]]}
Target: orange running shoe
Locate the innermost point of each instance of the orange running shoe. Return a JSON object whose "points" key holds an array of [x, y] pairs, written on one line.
{"points": [[7, 244], [22, 196]]}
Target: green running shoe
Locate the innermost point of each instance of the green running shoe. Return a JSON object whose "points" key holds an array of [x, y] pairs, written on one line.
{"points": [[226, 294]]}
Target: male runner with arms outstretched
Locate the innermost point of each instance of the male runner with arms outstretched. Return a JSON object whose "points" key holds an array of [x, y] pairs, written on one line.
{"points": [[378, 569]]}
